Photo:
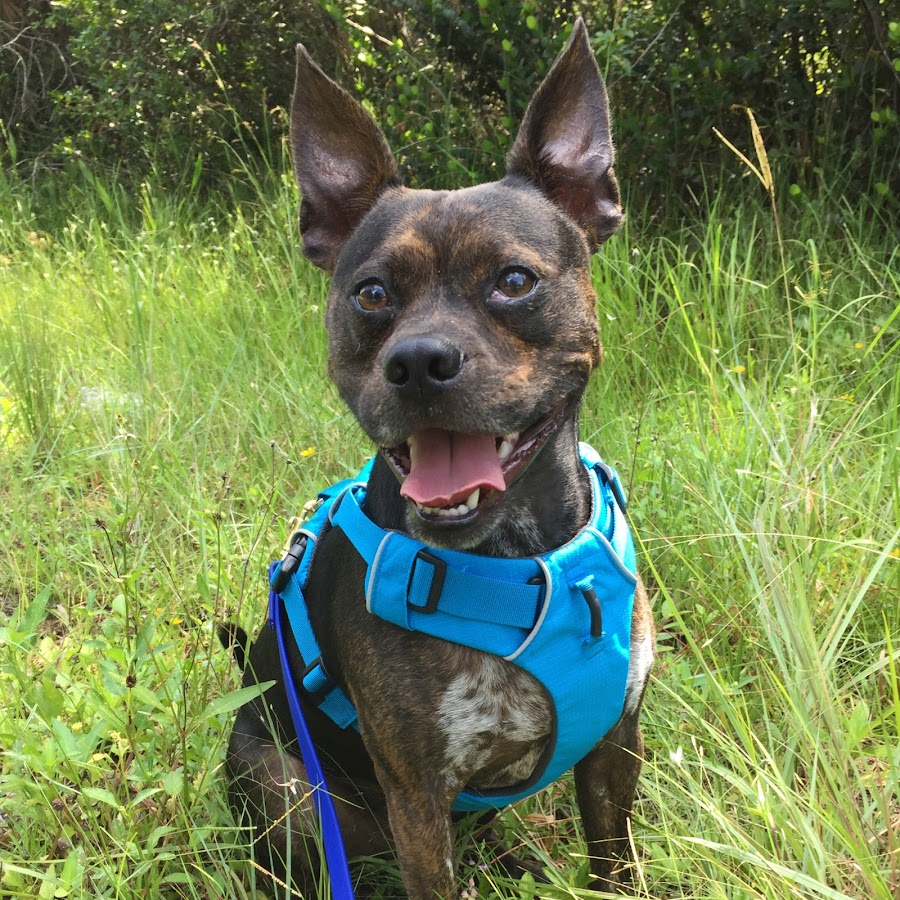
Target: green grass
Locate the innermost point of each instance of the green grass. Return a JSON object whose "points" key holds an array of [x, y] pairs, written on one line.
{"points": [[164, 409]]}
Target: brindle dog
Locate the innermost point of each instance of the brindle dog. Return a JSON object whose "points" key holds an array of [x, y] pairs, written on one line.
{"points": [[464, 315]]}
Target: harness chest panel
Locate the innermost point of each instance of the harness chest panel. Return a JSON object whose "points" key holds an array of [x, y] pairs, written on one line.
{"points": [[564, 616]]}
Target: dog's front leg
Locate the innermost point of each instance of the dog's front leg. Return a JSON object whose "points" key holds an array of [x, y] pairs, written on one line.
{"points": [[419, 816], [605, 782]]}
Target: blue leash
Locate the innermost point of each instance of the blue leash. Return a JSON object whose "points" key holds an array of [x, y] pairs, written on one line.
{"points": [[335, 853]]}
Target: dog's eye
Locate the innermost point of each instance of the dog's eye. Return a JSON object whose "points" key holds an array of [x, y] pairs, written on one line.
{"points": [[516, 283], [371, 296]]}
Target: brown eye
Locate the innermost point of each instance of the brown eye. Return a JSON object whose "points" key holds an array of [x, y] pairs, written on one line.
{"points": [[372, 296], [514, 284]]}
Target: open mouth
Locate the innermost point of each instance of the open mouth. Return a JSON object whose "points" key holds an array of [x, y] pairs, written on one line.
{"points": [[450, 477]]}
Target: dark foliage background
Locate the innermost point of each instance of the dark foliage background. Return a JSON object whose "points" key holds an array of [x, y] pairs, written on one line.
{"points": [[189, 89]]}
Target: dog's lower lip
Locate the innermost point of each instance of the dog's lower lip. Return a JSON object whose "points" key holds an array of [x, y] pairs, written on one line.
{"points": [[445, 518], [515, 451]]}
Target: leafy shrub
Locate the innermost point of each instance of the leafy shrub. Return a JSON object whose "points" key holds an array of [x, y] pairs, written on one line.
{"points": [[180, 85], [157, 86]]}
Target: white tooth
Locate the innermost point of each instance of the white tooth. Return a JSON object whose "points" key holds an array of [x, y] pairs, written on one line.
{"points": [[504, 449], [513, 436], [462, 509], [474, 497]]}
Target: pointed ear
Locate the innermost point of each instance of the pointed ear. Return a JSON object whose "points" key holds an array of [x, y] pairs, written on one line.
{"points": [[341, 160], [564, 145]]}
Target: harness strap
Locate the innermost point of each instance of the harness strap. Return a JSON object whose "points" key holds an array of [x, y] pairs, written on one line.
{"points": [[434, 586], [287, 579], [316, 681], [448, 581]]}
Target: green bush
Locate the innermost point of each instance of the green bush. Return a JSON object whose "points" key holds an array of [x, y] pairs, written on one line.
{"points": [[190, 88], [140, 87]]}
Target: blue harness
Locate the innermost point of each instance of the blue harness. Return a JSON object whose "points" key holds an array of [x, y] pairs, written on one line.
{"points": [[564, 616]]}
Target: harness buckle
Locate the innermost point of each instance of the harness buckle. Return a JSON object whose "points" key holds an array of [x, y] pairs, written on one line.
{"points": [[315, 678], [437, 581]]}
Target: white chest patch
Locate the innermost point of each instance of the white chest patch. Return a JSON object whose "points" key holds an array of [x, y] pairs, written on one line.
{"points": [[484, 711]]}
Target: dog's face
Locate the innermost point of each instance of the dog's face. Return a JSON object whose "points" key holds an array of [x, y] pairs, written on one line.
{"points": [[462, 324]]}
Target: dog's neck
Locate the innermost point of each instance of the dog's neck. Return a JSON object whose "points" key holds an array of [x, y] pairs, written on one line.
{"points": [[545, 507]]}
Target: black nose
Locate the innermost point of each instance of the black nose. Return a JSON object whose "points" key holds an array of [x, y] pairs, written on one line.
{"points": [[423, 366]]}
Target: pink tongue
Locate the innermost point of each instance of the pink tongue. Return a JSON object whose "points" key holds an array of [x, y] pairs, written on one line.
{"points": [[446, 466]]}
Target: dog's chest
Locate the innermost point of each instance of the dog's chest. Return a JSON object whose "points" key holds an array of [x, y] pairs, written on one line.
{"points": [[495, 719]]}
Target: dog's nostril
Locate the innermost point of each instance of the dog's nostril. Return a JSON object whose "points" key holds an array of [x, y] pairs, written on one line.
{"points": [[446, 365], [423, 364], [395, 372]]}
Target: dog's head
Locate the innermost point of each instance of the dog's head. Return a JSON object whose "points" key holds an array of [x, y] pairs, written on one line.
{"points": [[462, 324]]}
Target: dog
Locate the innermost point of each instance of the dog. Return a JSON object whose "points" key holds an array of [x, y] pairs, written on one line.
{"points": [[462, 331]]}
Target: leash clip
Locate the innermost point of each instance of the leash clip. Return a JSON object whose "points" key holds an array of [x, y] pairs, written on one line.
{"points": [[290, 563]]}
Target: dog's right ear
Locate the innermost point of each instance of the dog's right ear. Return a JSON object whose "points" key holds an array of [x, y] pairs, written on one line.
{"points": [[341, 160]]}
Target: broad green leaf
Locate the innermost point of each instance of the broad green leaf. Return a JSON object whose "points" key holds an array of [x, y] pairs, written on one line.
{"points": [[101, 795], [235, 699]]}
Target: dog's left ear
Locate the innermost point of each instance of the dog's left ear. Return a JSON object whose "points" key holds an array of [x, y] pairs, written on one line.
{"points": [[564, 145]]}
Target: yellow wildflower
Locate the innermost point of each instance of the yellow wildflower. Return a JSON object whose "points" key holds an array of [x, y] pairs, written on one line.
{"points": [[308, 451], [739, 369]]}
